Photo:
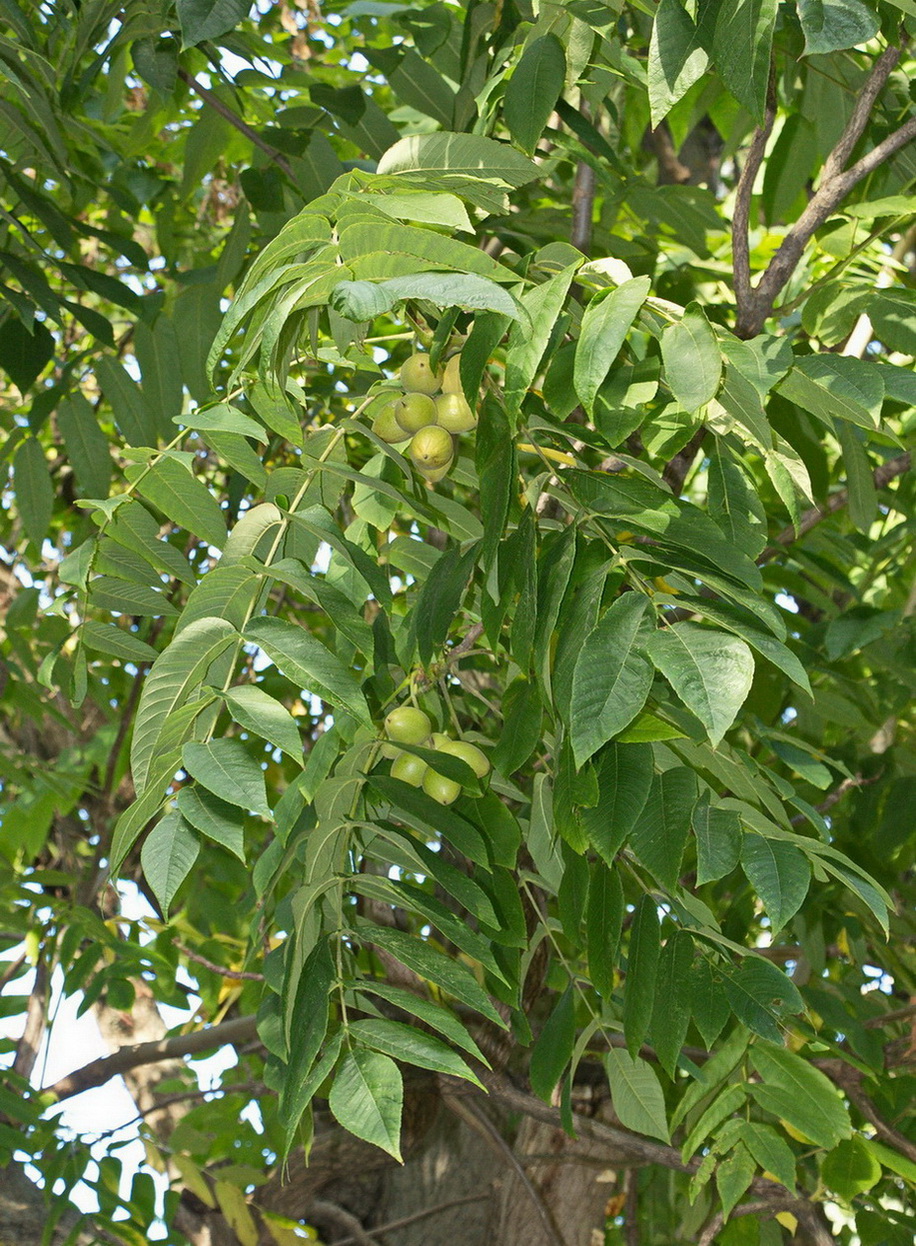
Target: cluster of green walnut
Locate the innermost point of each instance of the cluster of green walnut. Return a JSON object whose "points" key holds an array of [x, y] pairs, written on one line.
{"points": [[408, 725], [430, 419]]}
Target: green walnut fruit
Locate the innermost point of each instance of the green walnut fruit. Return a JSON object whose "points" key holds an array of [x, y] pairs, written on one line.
{"points": [[410, 769], [438, 473], [469, 753], [451, 377], [440, 788], [386, 426], [453, 412], [407, 725], [417, 376], [413, 412], [431, 449], [439, 741]]}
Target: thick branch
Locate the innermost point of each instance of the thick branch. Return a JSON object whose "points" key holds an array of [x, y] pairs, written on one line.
{"points": [[676, 469], [756, 304], [235, 120], [882, 476], [100, 1071]]}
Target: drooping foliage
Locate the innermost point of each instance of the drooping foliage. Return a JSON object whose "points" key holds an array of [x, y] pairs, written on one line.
{"points": [[661, 577]]}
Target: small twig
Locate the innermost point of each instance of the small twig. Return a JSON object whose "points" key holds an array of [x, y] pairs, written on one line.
{"points": [[418, 1215], [242, 975], [888, 1018], [235, 120], [475, 631], [811, 518], [832, 798]]}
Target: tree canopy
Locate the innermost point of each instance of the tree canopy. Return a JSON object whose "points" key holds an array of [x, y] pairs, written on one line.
{"points": [[458, 566]]}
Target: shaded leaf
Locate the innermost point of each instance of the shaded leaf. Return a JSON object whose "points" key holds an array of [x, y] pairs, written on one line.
{"points": [[227, 769], [167, 856], [367, 1097], [637, 1094]]}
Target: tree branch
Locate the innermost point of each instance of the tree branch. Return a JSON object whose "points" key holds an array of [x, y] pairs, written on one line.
{"points": [[241, 975], [757, 303], [98, 1072], [849, 1081], [235, 120], [676, 469], [882, 476], [583, 202], [35, 1022], [741, 258]]}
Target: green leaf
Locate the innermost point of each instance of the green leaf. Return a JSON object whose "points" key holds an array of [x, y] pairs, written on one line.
{"points": [[624, 781], [157, 353], [677, 58], [364, 300], [34, 491], [469, 156], [87, 446], [692, 359], [660, 833], [708, 1000], [718, 834], [761, 995], [214, 818], [779, 873], [771, 1151], [431, 1014], [108, 592], [251, 707], [611, 679], [135, 528], [642, 971], [605, 324], [533, 89], [305, 661], [735, 503], [497, 468], [671, 1015], [227, 769], [836, 386], [863, 496], [637, 1094], [135, 421], [733, 1176], [451, 975], [554, 1047], [709, 671], [116, 641], [833, 25], [167, 856], [440, 599], [367, 1097], [603, 923], [308, 1025], [182, 498], [223, 418], [176, 675], [411, 1046], [851, 1168], [793, 1089], [24, 355], [208, 19], [543, 306], [742, 45]]}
